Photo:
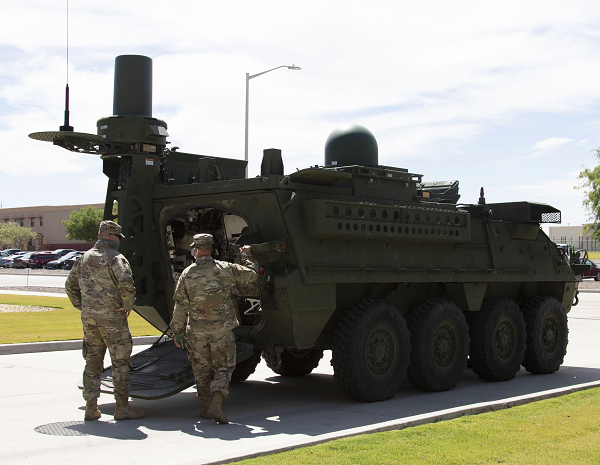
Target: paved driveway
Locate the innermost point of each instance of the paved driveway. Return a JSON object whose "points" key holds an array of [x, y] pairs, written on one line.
{"points": [[42, 408]]}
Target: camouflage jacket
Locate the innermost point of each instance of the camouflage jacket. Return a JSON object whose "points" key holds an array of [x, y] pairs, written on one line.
{"points": [[203, 295], [100, 282]]}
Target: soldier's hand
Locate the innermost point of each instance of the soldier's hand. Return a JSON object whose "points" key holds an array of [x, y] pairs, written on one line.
{"points": [[179, 339], [127, 312], [246, 249]]}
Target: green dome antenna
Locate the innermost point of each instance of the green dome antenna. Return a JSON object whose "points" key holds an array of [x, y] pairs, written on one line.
{"points": [[351, 144]]}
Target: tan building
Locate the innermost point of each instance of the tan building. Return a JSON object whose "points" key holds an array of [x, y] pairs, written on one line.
{"points": [[46, 221], [573, 235]]}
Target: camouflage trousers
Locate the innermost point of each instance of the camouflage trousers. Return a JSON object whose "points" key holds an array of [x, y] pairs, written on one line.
{"points": [[213, 360], [98, 334]]}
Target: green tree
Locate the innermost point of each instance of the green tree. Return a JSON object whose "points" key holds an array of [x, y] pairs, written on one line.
{"points": [[83, 225], [14, 235], [590, 183]]}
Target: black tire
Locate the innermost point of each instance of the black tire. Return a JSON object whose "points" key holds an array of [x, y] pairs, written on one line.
{"points": [[497, 333], [293, 362], [370, 352], [439, 338], [547, 334], [245, 368], [597, 277]]}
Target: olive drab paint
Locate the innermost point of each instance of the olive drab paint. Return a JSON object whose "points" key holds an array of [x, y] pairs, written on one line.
{"points": [[370, 261]]}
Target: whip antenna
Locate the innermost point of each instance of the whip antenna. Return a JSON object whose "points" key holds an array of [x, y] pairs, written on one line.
{"points": [[66, 126]]}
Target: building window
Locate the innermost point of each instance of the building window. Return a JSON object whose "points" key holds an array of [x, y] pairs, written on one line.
{"points": [[21, 222], [41, 221], [6, 220], [32, 223]]}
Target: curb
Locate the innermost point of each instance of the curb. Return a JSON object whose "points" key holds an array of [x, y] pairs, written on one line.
{"points": [[3, 272], [432, 417], [53, 346]]}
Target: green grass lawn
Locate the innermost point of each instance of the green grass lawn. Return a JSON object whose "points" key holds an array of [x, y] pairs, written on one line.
{"points": [[56, 325], [594, 255], [563, 430]]}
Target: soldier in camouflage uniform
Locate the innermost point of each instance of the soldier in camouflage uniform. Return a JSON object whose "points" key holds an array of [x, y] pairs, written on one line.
{"points": [[100, 285], [205, 314]]}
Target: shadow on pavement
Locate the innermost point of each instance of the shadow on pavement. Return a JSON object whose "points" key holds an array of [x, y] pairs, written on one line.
{"points": [[120, 430], [309, 406]]}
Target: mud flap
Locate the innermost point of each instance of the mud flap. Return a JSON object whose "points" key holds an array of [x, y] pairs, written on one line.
{"points": [[161, 371]]}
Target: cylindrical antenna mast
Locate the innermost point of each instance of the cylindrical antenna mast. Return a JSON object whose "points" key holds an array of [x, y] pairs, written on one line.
{"points": [[133, 86]]}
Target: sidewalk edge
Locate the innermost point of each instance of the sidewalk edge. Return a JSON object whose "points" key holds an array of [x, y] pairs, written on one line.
{"points": [[417, 420], [53, 346]]}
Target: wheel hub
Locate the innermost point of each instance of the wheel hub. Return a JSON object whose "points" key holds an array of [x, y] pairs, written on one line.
{"points": [[445, 345], [550, 335], [381, 351], [505, 340]]}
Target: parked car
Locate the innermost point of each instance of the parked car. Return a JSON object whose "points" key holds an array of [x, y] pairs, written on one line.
{"points": [[20, 261], [63, 252], [11, 251], [59, 262], [6, 261], [39, 259], [69, 262], [593, 272]]}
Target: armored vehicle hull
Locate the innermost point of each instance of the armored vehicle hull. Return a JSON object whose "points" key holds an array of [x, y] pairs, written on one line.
{"points": [[388, 272]]}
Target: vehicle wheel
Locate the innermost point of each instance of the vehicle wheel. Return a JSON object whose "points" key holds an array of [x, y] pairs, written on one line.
{"points": [[497, 333], [597, 277], [547, 334], [371, 351], [439, 339], [293, 362], [245, 368]]}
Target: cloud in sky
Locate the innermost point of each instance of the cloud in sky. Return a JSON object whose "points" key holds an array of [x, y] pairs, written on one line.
{"points": [[550, 144], [543, 147], [432, 80]]}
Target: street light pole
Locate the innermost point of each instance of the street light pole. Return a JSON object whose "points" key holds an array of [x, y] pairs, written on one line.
{"points": [[248, 77]]}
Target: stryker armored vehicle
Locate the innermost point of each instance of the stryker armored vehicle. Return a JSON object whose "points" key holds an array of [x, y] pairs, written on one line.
{"points": [[390, 273]]}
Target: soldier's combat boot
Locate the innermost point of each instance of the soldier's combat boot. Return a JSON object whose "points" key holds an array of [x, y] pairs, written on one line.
{"points": [[215, 412], [124, 411], [206, 403], [91, 410]]}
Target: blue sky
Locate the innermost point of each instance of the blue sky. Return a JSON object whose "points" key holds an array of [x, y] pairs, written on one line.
{"points": [[502, 96]]}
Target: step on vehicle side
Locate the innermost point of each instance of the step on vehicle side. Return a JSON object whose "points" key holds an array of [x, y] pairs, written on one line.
{"points": [[387, 271]]}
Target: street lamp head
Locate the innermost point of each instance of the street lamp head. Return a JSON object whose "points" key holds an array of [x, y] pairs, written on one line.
{"points": [[248, 77]]}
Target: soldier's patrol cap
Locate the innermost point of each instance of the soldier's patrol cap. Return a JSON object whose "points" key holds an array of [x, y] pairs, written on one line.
{"points": [[112, 228], [201, 240]]}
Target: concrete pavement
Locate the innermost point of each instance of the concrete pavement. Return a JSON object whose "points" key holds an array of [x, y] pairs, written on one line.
{"points": [[42, 408], [44, 294], [33, 280]]}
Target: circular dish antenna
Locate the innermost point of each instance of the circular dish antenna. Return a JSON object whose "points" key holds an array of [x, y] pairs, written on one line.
{"points": [[49, 136], [79, 142]]}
